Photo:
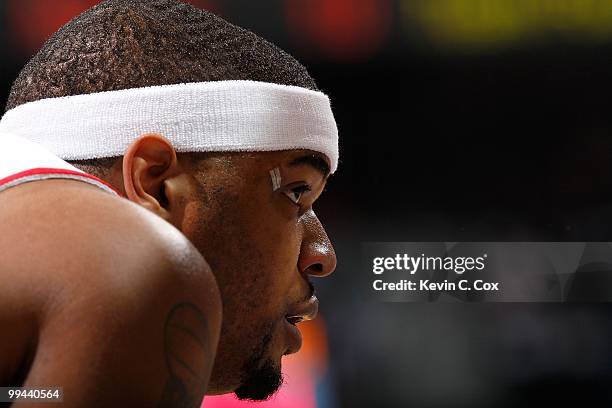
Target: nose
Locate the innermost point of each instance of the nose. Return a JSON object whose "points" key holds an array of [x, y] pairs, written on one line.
{"points": [[317, 255]]}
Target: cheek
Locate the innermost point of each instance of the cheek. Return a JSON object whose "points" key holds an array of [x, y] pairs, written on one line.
{"points": [[280, 240], [252, 249], [276, 244]]}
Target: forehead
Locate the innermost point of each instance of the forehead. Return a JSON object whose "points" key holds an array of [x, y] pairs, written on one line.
{"points": [[242, 163], [297, 159]]}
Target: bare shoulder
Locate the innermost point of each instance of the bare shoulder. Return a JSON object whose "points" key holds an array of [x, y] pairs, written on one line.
{"points": [[122, 301]]}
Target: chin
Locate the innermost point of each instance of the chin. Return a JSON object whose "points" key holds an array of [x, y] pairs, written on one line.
{"points": [[261, 375], [261, 383]]}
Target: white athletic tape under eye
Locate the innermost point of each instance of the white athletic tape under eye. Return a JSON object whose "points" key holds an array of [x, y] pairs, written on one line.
{"points": [[220, 116], [276, 178]]}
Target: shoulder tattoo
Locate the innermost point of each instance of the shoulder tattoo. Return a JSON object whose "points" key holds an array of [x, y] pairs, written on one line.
{"points": [[188, 357]]}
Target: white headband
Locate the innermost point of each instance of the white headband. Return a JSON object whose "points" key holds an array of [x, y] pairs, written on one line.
{"points": [[223, 116]]}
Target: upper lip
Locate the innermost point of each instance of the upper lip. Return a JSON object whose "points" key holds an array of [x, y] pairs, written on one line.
{"points": [[304, 311]]}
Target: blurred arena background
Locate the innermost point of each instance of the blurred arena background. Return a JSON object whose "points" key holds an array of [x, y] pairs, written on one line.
{"points": [[474, 120]]}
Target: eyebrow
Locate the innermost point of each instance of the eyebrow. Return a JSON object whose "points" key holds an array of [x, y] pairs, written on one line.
{"points": [[314, 161]]}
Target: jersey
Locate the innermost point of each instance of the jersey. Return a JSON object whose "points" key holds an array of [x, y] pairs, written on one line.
{"points": [[23, 161]]}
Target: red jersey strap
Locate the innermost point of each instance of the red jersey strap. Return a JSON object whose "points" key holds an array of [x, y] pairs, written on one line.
{"points": [[43, 173]]}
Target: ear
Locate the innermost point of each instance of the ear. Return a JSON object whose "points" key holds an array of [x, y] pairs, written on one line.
{"points": [[151, 175]]}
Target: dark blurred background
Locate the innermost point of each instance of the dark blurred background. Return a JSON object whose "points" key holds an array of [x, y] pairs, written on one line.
{"points": [[481, 120]]}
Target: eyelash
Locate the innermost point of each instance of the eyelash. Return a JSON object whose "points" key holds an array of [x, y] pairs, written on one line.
{"points": [[298, 190]]}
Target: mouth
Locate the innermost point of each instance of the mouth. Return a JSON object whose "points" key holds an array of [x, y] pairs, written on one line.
{"points": [[294, 320], [301, 313]]}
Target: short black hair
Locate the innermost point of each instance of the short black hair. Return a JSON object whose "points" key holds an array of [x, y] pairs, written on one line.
{"points": [[121, 44]]}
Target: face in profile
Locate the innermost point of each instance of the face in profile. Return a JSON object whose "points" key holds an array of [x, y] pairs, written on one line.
{"points": [[263, 241]]}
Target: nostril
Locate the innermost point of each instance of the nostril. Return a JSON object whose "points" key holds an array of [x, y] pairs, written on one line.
{"points": [[317, 258], [315, 269]]}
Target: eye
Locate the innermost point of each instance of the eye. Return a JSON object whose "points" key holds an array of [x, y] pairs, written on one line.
{"points": [[295, 194]]}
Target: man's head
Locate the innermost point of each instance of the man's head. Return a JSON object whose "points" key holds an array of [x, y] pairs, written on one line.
{"points": [[259, 234]]}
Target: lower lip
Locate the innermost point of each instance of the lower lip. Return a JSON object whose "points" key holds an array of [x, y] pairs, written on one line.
{"points": [[295, 338]]}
